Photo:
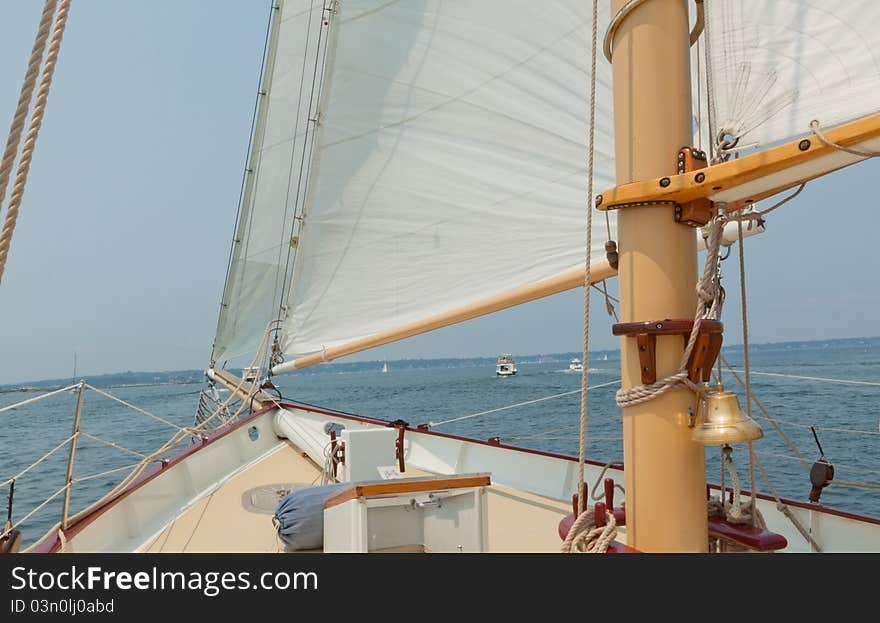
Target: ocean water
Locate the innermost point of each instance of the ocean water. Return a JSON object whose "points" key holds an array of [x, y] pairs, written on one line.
{"points": [[846, 418]]}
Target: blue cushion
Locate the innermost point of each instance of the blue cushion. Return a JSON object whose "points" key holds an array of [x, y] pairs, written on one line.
{"points": [[299, 518]]}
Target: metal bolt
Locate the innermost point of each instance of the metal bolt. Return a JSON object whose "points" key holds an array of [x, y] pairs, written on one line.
{"points": [[664, 182], [700, 177], [804, 145]]}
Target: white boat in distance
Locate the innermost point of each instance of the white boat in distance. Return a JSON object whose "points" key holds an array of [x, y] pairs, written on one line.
{"points": [[505, 366], [394, 140], [575, 365]]}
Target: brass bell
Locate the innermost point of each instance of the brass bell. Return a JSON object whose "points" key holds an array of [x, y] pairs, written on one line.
{"points": [[721, 420]]}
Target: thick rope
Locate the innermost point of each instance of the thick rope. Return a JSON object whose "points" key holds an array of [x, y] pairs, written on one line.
{"points": [[585, 538], [24, 98], [814, 127], [582, 439], [708, 308], [30, 141]]}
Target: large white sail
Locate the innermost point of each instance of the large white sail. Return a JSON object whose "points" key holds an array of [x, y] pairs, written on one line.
{"points": [[279, 158], [450, 162], [776, 66]]}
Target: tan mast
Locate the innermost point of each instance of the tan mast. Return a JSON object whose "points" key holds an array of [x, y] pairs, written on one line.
{"points": [[665, 470]]}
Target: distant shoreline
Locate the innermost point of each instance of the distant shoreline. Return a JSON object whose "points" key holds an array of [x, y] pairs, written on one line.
{"points": [[196, 376]]}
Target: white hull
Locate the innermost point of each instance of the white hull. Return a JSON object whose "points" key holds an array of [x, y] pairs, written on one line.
{"points": [[159, 502]]}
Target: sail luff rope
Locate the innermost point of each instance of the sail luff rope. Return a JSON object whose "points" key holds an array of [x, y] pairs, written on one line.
{"points": [[248, 164], [582, 439], [746, 362], [305, 168], [24, 99], [30, 140], [299, 204]]}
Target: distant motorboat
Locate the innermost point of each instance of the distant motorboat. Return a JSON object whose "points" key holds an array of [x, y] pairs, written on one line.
{"points": [[505, 366], [576, 365]]}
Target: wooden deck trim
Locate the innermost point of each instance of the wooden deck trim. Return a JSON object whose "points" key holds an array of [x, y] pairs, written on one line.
{"points": [[726, 175], [407, 485]]}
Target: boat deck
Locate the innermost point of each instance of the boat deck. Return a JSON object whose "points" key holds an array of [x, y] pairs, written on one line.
{"points": [[228, 520]]}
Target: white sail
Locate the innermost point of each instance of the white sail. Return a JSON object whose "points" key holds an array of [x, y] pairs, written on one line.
{"points": [[776, 66], [262, 252], [450, 162]]}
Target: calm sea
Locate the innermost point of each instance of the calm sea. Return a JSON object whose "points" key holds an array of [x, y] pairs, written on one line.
{"points": [[846, 418]]}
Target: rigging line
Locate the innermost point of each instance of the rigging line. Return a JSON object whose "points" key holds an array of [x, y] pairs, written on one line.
{"points": [[856, 485], [30, 139], [785, 510], [38, 398], [113, 445], [582, 438], [853, 431], [35, 510], [297, 207], [814, 127], [845, 466], [772, 420], [781, 202], [24, 99], [312, 116], [748, 376], [261, 92], [107, 473], [520, 404], [138, 409], [818, 378], [38, 461]]}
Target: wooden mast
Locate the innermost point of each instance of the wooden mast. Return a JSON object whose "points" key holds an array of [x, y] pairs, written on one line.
{"points": [[665, 470]]}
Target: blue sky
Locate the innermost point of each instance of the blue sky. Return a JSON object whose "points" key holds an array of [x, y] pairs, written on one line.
{"points": [[120, 252]]}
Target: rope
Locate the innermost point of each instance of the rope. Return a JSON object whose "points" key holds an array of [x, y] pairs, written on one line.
{"points": [[582, 438], [785, 510], [818, 378], [112, 445], [138, 409], [814, 127], [38, 398], [851, 431], [24, 98], [35, 510], [708, 307], [38, 461], [30, 140], [748, 377], [855, 468], [520, 404], [767, 415], [584, 537], [107, 473]]}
